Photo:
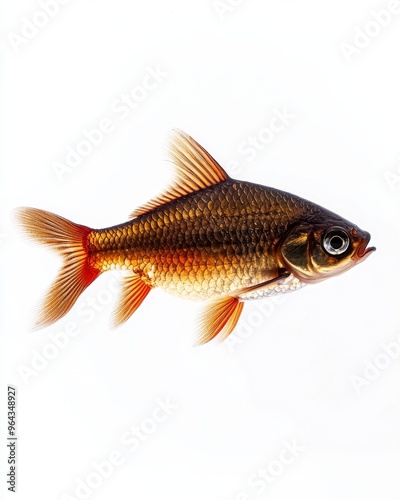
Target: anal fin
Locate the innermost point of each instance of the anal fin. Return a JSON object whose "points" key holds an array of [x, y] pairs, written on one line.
{"points": [[220, 317], [134, 291]]}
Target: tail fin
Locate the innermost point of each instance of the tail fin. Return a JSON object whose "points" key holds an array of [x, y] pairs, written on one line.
{"points": [[69, 240]]}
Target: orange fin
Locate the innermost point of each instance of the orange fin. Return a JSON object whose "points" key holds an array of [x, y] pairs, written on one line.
{"points": [[221, 318], [195, 169], [69, 240], [134, 291]]}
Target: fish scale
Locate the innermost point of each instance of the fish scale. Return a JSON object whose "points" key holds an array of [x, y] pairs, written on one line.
{"points": [[228, 229]]}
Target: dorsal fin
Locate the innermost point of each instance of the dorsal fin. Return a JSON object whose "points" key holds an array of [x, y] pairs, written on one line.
{"points": [[195, 169]]}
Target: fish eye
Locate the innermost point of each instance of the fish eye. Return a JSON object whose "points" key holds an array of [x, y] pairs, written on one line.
{"points": [[336, 241]]}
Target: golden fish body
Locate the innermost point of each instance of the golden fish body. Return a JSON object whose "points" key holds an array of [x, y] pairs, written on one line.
{"points": [[207, 237], [216, 241]]}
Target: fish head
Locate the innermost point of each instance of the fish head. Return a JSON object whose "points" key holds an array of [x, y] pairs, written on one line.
{"points": [[314, 251]]}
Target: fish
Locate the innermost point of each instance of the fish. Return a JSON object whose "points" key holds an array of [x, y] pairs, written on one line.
{"points": [[208, 237]]}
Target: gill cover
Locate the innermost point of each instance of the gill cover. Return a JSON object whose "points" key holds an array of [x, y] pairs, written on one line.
{"points": [[296, 255]]}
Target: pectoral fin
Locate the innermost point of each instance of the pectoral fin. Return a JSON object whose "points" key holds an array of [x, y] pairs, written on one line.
{"points": [[220, 317], [134, 291], [283, 274]]}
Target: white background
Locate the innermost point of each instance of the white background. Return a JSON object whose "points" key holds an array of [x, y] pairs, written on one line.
{"points": [[292, 378]]}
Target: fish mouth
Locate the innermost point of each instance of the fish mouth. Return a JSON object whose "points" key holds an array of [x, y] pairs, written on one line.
{"points": [[362, 251]]}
